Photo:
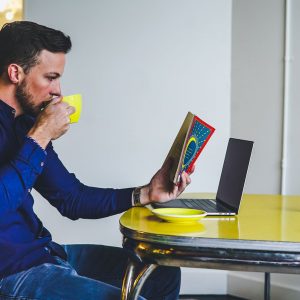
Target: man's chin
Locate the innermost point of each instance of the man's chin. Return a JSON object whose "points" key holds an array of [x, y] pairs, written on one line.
{"points": [[32, 111]]}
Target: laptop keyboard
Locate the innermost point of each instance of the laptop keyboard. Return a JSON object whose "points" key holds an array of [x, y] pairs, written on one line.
{"points": [[208, 205]]}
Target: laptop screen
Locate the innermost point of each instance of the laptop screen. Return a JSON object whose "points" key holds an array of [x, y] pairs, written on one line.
{"points": [[234, 173]]}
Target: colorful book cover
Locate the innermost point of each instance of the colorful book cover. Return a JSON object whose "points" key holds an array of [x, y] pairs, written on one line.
{"points": [[199, 135], [188, 144]]}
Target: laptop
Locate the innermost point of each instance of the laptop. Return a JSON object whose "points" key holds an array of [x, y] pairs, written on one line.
{"points": [[231, 183]]}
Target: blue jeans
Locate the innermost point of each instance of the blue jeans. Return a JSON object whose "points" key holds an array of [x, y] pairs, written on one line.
{"points": [[91, 272]]}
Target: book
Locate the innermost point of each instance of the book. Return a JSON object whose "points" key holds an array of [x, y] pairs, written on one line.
{"points": [[188, 144]]}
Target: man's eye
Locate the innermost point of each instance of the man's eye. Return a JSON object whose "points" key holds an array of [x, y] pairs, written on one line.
{"points": [[51, 78]]}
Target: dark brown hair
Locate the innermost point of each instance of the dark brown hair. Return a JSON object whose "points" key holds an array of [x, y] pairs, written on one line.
{"points": [[22, 41]]}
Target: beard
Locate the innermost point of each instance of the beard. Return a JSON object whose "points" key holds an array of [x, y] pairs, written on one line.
{"points": [[25, 100]]}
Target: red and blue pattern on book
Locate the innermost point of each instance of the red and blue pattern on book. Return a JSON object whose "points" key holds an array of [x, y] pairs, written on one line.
{"points": [[199, 135]]}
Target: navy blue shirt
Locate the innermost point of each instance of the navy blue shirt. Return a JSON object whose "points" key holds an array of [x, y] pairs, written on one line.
{"points": [[24, 165]]}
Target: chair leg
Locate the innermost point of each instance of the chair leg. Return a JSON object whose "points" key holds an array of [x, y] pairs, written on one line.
{"points": [[267, 288]]}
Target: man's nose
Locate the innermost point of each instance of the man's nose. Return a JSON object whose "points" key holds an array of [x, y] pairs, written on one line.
{"points": [[56, 90]]}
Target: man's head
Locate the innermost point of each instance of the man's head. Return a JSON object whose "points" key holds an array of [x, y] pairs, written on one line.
{"points": [[32, 58]]}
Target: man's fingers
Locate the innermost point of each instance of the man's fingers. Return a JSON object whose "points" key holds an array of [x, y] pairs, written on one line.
{"points": [[56, 99], [71, 110], [184, 182]]}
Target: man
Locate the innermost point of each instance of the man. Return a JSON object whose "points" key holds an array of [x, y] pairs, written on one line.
{"points": [[32, 266]]}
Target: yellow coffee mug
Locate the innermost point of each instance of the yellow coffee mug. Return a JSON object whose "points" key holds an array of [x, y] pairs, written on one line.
{"points": [[75, 101]]}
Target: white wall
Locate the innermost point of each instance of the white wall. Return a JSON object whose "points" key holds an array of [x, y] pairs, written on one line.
{"points": [[258, 52], [140, 65], [292, 163], [257, 87]]}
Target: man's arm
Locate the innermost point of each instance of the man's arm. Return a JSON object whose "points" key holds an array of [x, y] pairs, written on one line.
{"points": [[76, 200]]}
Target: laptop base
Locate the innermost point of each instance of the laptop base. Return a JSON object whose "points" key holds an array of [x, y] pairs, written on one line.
{"points": [[208, 205]]}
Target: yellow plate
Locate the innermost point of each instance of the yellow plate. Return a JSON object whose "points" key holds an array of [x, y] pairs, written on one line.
{"points": [[179, 215]]}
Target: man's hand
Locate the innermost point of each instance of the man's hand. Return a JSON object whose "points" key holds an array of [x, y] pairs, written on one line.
{"points": [[161, 189], [52, 122]]}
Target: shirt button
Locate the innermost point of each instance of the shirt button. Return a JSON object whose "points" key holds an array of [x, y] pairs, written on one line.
{"points": [[42, 164], [13, 111], [29, 190]]}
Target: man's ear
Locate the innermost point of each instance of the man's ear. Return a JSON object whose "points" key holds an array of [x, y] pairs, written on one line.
{"points": [[15, 73]]}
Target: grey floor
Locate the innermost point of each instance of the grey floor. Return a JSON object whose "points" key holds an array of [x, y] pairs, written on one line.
{"points": [[209, 297]]}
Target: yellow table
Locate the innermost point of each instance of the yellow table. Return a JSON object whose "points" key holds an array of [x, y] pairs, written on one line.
{"points": [[264, 237]]}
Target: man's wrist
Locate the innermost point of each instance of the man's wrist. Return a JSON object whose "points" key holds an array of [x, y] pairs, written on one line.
{"points": [[141, 196], [40, 139], [136, 196]]}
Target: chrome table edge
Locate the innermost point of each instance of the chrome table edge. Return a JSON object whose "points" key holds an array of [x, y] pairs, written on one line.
{"points": [[187, 241]]}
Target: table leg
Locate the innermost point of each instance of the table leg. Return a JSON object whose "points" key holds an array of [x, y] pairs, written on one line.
{"points": [[267, 290], [135, 276]]}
